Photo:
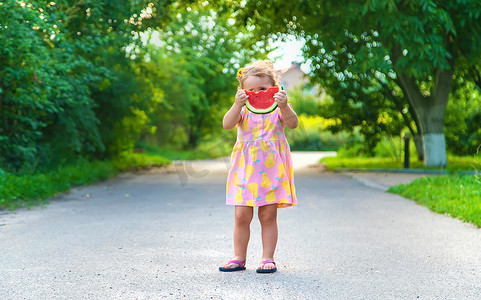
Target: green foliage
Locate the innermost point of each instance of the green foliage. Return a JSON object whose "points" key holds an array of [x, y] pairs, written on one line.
{"points": [[41, 92], [381, 58], [128, 161], [195, 59], [463, 117], [216, 146], [391, 147], [456, 163], [454, 195], [307, 141], [109, 37], [33, 189], [464, 163], [311, 134], [362, 163], [27, 190], [68, 81], [356, 72], [304, 104]]}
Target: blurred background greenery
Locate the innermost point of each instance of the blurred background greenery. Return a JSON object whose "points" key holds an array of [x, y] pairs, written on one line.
{"points": [[85, 84]]}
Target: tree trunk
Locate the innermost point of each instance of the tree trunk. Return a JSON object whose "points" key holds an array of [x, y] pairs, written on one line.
{"points": [[418, 142], [415, 130], [433, 138], [430, 112]]}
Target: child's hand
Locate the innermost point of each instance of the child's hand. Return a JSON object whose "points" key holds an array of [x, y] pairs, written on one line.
{"points": [[281, 98], [240, 98]]}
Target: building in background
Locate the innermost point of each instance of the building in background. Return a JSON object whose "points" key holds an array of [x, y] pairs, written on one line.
{"points": [[293, 77]]}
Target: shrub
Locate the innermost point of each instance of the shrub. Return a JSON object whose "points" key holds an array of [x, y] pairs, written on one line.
{"points": [[32, 189], [311, 135]]}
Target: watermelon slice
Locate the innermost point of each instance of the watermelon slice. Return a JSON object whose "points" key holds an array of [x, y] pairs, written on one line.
{"points": [[262, 102]]}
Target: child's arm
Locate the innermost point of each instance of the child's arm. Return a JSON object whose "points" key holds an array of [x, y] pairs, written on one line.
{"points": [[233, 116], [288, 115]]}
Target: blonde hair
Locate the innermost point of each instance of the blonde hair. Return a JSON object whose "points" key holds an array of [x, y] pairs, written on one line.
{"points": [[261, 68]]}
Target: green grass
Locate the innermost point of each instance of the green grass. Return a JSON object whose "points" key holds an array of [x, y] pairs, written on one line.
{"points": [[207, 150], [129, 161], [455, 163], [334, 162], [458, 196], [33, 189], [455, 195], [178, 154]]}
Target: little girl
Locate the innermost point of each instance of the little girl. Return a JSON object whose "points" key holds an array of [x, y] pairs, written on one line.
{"points": [[261, 173]]}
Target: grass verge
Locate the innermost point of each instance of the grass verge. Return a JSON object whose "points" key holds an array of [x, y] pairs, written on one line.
{"points": [[455, 163], [33, 189], [334, 162], [207, 150], [458, 196]]}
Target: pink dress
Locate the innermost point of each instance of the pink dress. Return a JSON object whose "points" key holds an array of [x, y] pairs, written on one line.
{"points": [[261, 170]]}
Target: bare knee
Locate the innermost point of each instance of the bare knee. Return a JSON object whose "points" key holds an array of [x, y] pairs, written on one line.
{"points": [[268, 214], [243, 216]]}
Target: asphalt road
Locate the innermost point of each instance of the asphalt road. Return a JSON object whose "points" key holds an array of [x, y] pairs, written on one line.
{"points": [[163, 234]]}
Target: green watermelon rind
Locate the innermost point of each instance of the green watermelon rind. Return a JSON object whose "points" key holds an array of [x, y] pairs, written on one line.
{"points": [[261, 111], [265, 110]]}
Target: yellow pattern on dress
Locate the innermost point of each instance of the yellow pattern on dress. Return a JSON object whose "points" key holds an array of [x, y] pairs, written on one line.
{"points": [[286, 186], [283, 149], [249, 171], [270, 162], [261, 170], [236, 179], [282, 170], [268, 125], [238, 196], [264, 146], [242, 161], [253, 152], [266, 182], [271, 196], [253, 187], [245, 124], [256, 131]]}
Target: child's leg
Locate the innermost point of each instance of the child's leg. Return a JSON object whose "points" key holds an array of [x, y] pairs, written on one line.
{"points": [[242, 232], [243, 218], [268, 219]]}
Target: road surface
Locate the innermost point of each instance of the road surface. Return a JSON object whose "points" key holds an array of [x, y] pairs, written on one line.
{"points": [[163, 233]]}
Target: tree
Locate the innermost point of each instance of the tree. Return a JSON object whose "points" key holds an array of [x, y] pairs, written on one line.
{"points": [[198, 54], [463, 138], [422, 44], [41, 96], [106, 34], [365, 104], [66, 82]]}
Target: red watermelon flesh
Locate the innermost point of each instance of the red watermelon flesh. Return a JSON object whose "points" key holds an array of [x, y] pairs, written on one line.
{"points": [[262, 102]]}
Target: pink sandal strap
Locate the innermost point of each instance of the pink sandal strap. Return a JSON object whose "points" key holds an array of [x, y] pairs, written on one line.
{"points": [[240, 263], [264, 262]]}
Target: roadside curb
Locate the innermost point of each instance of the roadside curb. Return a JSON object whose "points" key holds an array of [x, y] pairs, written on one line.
{"points": [[382, 180], [369, 183], [405, 171]]}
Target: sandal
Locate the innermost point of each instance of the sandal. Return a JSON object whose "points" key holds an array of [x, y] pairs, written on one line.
{"points": [[264, 262], [241, 267]]}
